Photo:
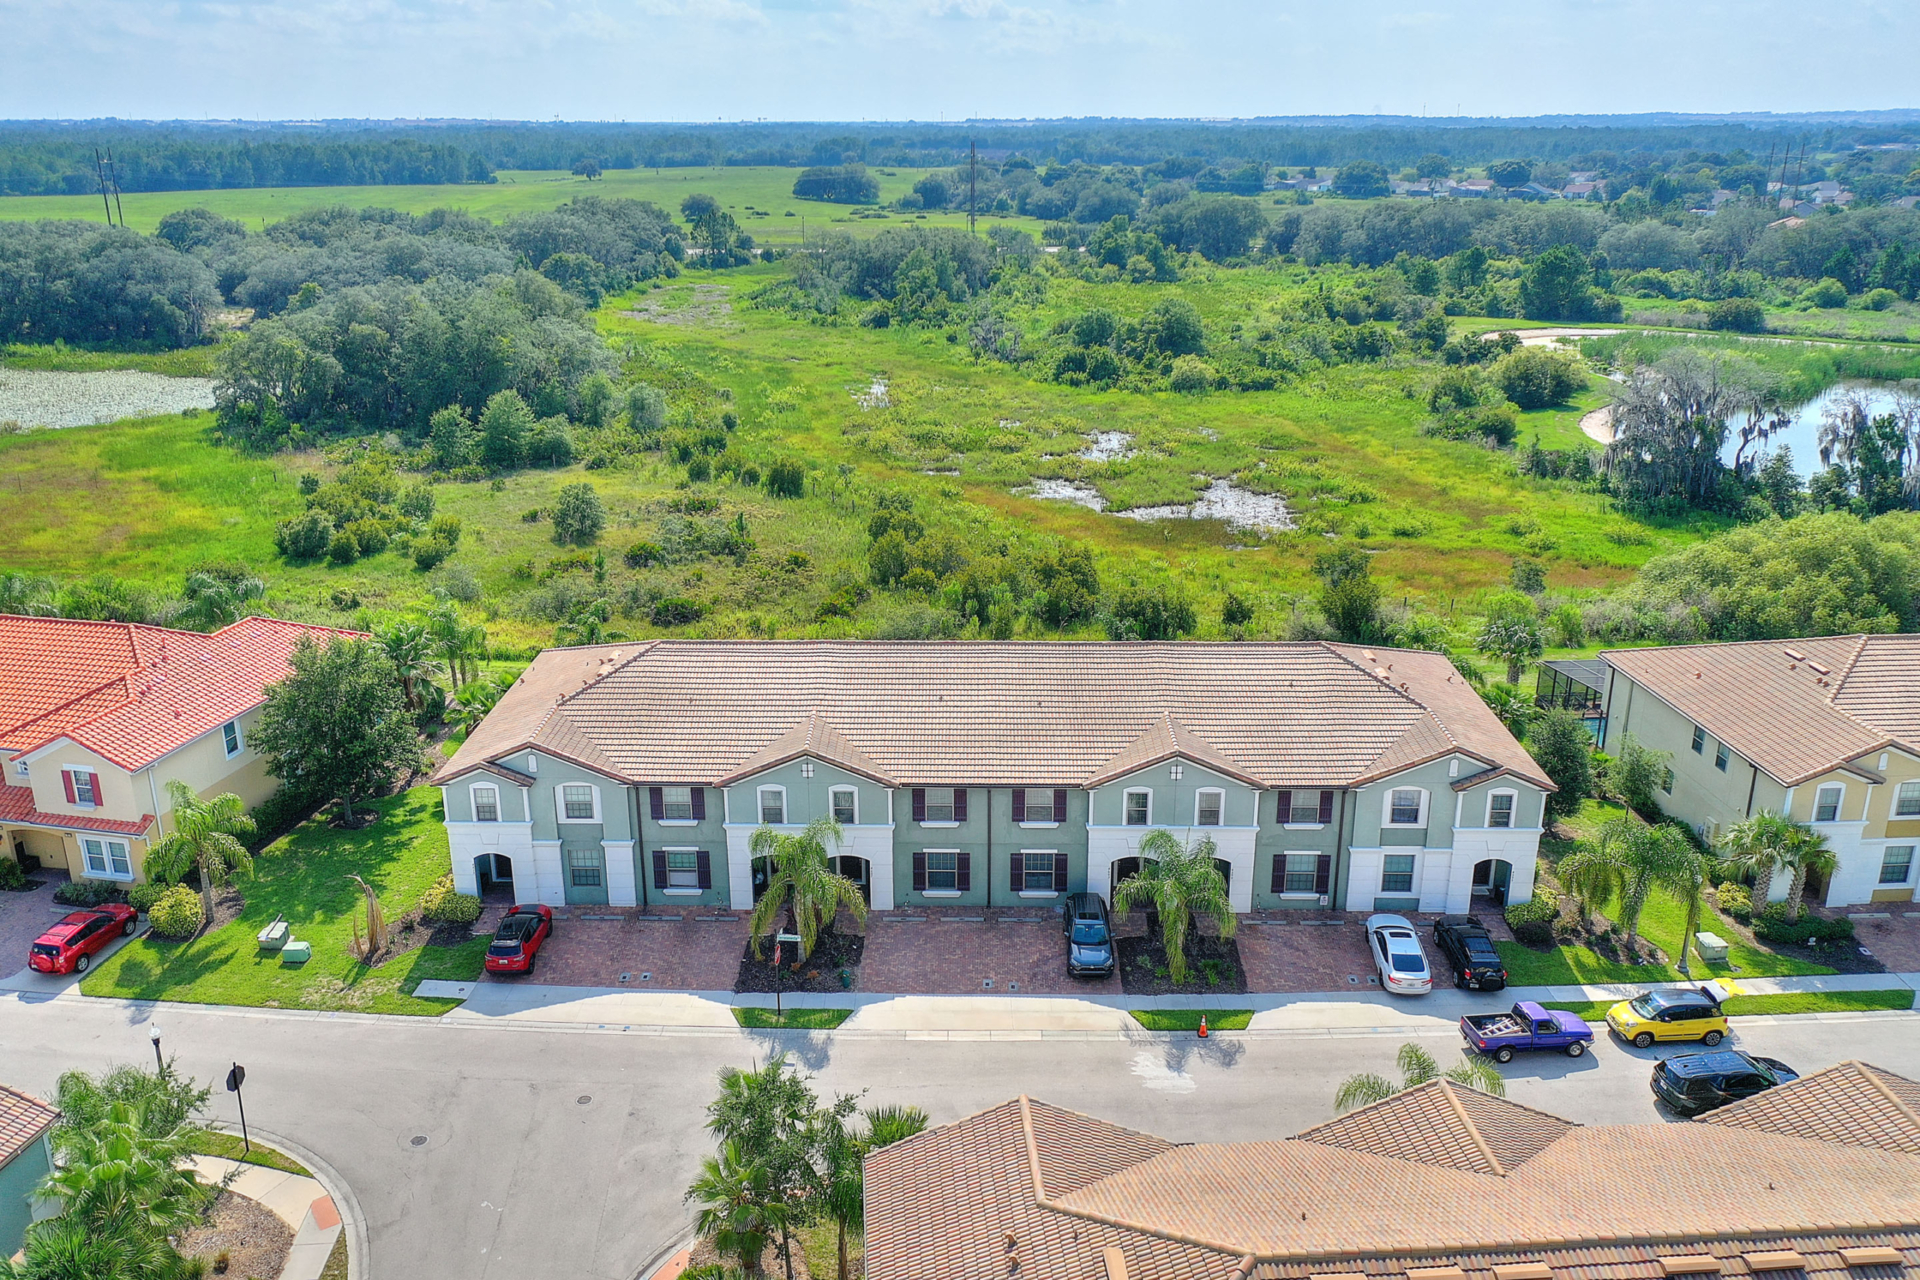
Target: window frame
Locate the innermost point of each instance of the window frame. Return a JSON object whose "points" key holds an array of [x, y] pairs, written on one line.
{"points": [[1839, 803], [560, 803], [1667, 780], [691, 870], [1906, 877], [1027, 873], [106, 870], [1909, 790], [853, 808], [927, 819], [1027, 807], [1220, 812], [1126, 807], [950, 890], [1699, 740], [1512, 798], [78, 771], [1721, 756], [1386, 873], [231, 740], [598, 868], [1386, 815], [473, 801], [760, 795], [667, 806], [1312, 874]]}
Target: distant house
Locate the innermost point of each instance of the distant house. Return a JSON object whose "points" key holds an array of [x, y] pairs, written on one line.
{"points": [[1534, 191], [1474, 188], [1423, 187], [1906, 202], [26, 1157], [1584, 190], [97, 717]]}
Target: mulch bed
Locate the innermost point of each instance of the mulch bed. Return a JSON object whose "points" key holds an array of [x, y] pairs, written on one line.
{"points": [[1144, 960], [771, 1265], [256, 1241], [820, 972]]}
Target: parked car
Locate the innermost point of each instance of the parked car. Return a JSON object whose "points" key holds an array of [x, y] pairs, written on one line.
{"points": [[1692, 1083], [1089, 932], [1470, 953], [1525, 1027], [70, 945], [517, 942], [1682, 1013], [1397, 955]]}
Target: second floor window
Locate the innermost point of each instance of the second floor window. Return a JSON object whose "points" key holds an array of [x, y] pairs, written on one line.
{"points": [[1720, 757], [773, 808], [1139, 808], [1906, 801], [1699, 740], [940, 804], [486, 804], [577, 803], [676, 804], [1039, 806], [1405, 809], [83, 788], [1826, 805], [230, 733], [1666, 781], [845, 812], [1206, 808], [1500, 809]]}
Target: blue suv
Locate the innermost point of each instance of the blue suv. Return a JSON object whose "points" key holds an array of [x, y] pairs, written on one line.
{"points": [[1089, 933]]}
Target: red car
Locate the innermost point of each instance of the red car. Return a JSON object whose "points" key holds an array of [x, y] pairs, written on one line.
{"points": [[522, 932], [69, 946]]}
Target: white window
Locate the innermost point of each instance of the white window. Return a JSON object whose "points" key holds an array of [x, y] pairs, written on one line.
{"points": [[1036, 870], [773, 806], [1396, 873], [940, 806], [533, 763], [683, 868], [579, 803], [1896, 864], [1500, 809], [676, 804], [943, 872], [85, 786], [585, 868], [1699, 740], [1906, 801], [1139, 808], [1720, 757], [486, 804], [1207, 805], [1406, 807], [846, 806], [1826, 805], [1038, 806], [230, 733], [1302, 873], [108, 859], [22, 768]]}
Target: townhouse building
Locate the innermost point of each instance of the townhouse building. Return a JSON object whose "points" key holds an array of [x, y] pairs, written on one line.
{"points": [[1825, 731], [96, 718], [994, 774]]}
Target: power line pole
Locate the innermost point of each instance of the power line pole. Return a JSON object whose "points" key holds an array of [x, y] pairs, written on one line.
{"points": [[113, 173], [100, 172], [973, 181]]}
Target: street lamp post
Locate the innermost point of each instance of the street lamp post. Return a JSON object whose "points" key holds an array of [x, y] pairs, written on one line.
{"points": [[153, 1034]]}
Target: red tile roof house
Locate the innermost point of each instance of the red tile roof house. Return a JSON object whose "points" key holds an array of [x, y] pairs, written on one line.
{"points": [[995, 774], [97, 717], [1814, 1180]]}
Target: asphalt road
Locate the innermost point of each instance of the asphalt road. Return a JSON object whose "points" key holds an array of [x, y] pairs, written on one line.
{"points": [[563, 1152]]}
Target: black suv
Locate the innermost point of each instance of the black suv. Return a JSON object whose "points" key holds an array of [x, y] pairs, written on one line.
{"points": [[1470, 953], [1089, 936], [1695, 1082]]}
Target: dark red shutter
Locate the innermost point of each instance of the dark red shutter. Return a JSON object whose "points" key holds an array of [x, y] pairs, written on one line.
{"points": [[919, 805], [1279, 873], [1059, 872], [66, 776], [919, 867], [659, 869], [1059, 804], [1284, 811], [656, 801], [1019, 804], [959, 804], [699, 804], [1326, 806], [1016, 867], [1322, 873], [706, 867], [964, 880]]}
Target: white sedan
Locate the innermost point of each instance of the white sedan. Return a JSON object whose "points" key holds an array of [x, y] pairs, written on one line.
{"points": [[1397, 954]]}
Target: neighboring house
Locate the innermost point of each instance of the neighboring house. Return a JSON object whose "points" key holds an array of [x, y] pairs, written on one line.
{"points": [[1818, 1179], [984, 774], [1582, 190], [1477, 188], [26, 1158], [1825, 731], [97, 717]]}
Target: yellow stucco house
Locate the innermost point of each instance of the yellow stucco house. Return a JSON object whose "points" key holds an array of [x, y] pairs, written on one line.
{"points": [[97, 717]]}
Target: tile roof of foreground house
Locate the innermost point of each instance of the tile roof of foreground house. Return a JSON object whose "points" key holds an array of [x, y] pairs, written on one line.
{"points": [[1855, 1103], [1796, 708], [129, 692], [23, 1119], [1492, 1190], [993, 714]]}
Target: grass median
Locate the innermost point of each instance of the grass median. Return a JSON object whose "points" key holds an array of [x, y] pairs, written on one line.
{"points": [[1189, 1019], [791, 1019]]}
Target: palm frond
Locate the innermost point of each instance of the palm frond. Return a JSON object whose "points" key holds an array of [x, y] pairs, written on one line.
{"points": [[1362, 1090], [1416, 1065]]}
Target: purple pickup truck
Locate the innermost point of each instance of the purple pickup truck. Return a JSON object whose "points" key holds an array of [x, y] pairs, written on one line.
{"points": [[1525, 1026]]}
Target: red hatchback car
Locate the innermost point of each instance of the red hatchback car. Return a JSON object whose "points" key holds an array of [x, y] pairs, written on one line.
{"points": [[522, 932], [69, 946]]}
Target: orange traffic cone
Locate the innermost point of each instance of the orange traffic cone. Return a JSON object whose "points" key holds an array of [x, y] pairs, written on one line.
{"points": [[1203, 1026]]}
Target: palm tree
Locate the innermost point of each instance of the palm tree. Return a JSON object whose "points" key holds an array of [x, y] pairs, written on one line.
{"points": [[119, 1178], [459, 644], [205, 836], [1623, 866], [802, 880], [212, 603], [1417, 1067], [588, 625], [1686, 876], [1760, 846], [1514, 708], [1180, 881], [1808, 854], [410, 649], [739, 1207], [844, 1150], [474, 700]]}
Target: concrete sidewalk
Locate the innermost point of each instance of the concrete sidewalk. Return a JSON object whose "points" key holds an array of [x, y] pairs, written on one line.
{"points": [[302, 1203]]}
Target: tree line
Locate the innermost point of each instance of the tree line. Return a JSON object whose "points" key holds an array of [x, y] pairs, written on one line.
{"points": [[38, 165]]}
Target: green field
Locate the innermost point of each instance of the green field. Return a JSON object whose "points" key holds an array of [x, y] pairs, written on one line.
{"points": [[759, 197]]}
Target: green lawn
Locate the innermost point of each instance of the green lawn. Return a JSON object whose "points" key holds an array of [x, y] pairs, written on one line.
{"points": [[230, 1146], [791, 1019], [1189, 1019], [190, 362], [1749, 1006], [304, 877]]}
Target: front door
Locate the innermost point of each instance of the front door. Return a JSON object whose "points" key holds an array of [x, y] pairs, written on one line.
{"points": [[585, 867], [856, 870]]}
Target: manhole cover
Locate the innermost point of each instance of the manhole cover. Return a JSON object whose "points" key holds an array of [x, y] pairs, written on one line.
{"points": [[418, 1140], [585, 1098]]}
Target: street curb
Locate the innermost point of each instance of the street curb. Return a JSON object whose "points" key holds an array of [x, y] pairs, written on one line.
{"points": [[659, 1257], [353, 1223]]}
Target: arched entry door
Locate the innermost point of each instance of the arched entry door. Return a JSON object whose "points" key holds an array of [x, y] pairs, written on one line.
{"points": [[493, 874], [762, 873], [1490, 879], [858, 870], [1225, 869], [1122, 868]]}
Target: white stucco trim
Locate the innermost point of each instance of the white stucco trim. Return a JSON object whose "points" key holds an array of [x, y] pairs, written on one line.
{"points": [[873, 841], [468, 840]]}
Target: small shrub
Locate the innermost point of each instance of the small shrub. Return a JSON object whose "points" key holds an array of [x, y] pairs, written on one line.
{"points": [[1736, 900], [1532, 921], [676, 611], [13, 876], [1827, 294], [641, 554], [445, 528], [787, 479], [1191, 375], [141, 897], [305, 537], [369, 536], [309, 484], [1772, 925], [1879, 299], [343, 599], [88, 893], [177, 913], [428, 553], [578, 516], [459, 584], [441, 904], [278, 814], [342, 549], [1737, 315], [531, 515]]}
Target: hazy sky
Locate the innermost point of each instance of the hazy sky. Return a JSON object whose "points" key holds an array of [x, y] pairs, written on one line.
{"points": [[922, 59]]}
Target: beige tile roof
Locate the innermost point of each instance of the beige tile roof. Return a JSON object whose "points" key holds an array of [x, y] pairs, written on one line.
{"points": [[23, 1118], [1844, 697], [811, 737], [1443, 1124], [1625, 1261], [1855, 1103], [994, 714]]}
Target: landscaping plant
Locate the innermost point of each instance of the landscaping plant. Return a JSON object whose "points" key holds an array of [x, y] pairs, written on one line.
{"points": [[205, 839], [801, 881], [1417, 1067], [376, 937], [442, 904], [1179, 882], [1624, 864], [339, 723], [178, 913]]}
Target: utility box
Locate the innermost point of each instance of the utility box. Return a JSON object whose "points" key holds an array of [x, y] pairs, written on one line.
{"points": [[1711, 946]]}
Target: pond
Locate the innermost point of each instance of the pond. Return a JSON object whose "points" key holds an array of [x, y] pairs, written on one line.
{"points": [[1802, 433], [45, 398]]}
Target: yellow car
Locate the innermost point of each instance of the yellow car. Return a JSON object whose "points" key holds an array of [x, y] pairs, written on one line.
{"points": [[1686, 1014]]}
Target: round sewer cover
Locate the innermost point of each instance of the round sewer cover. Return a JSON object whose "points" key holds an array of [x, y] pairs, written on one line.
{"points": [[585, 1098], [419, 1140]]}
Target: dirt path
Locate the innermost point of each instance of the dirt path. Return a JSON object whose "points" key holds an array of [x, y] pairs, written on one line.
{"points": [[1598, 424]]}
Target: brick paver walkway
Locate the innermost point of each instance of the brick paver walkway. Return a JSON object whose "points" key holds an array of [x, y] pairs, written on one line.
{"points": [[24, 917], [1895, 941], [654, 948], [959, 950]]}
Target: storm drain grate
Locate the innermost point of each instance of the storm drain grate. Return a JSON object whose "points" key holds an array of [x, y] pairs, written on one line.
{"points": [[418, 1140], [986, 984], [583, 1099]]}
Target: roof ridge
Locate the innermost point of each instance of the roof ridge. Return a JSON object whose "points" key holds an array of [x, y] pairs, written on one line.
{"points": [[1473, 1130], [1871, 1074]]}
